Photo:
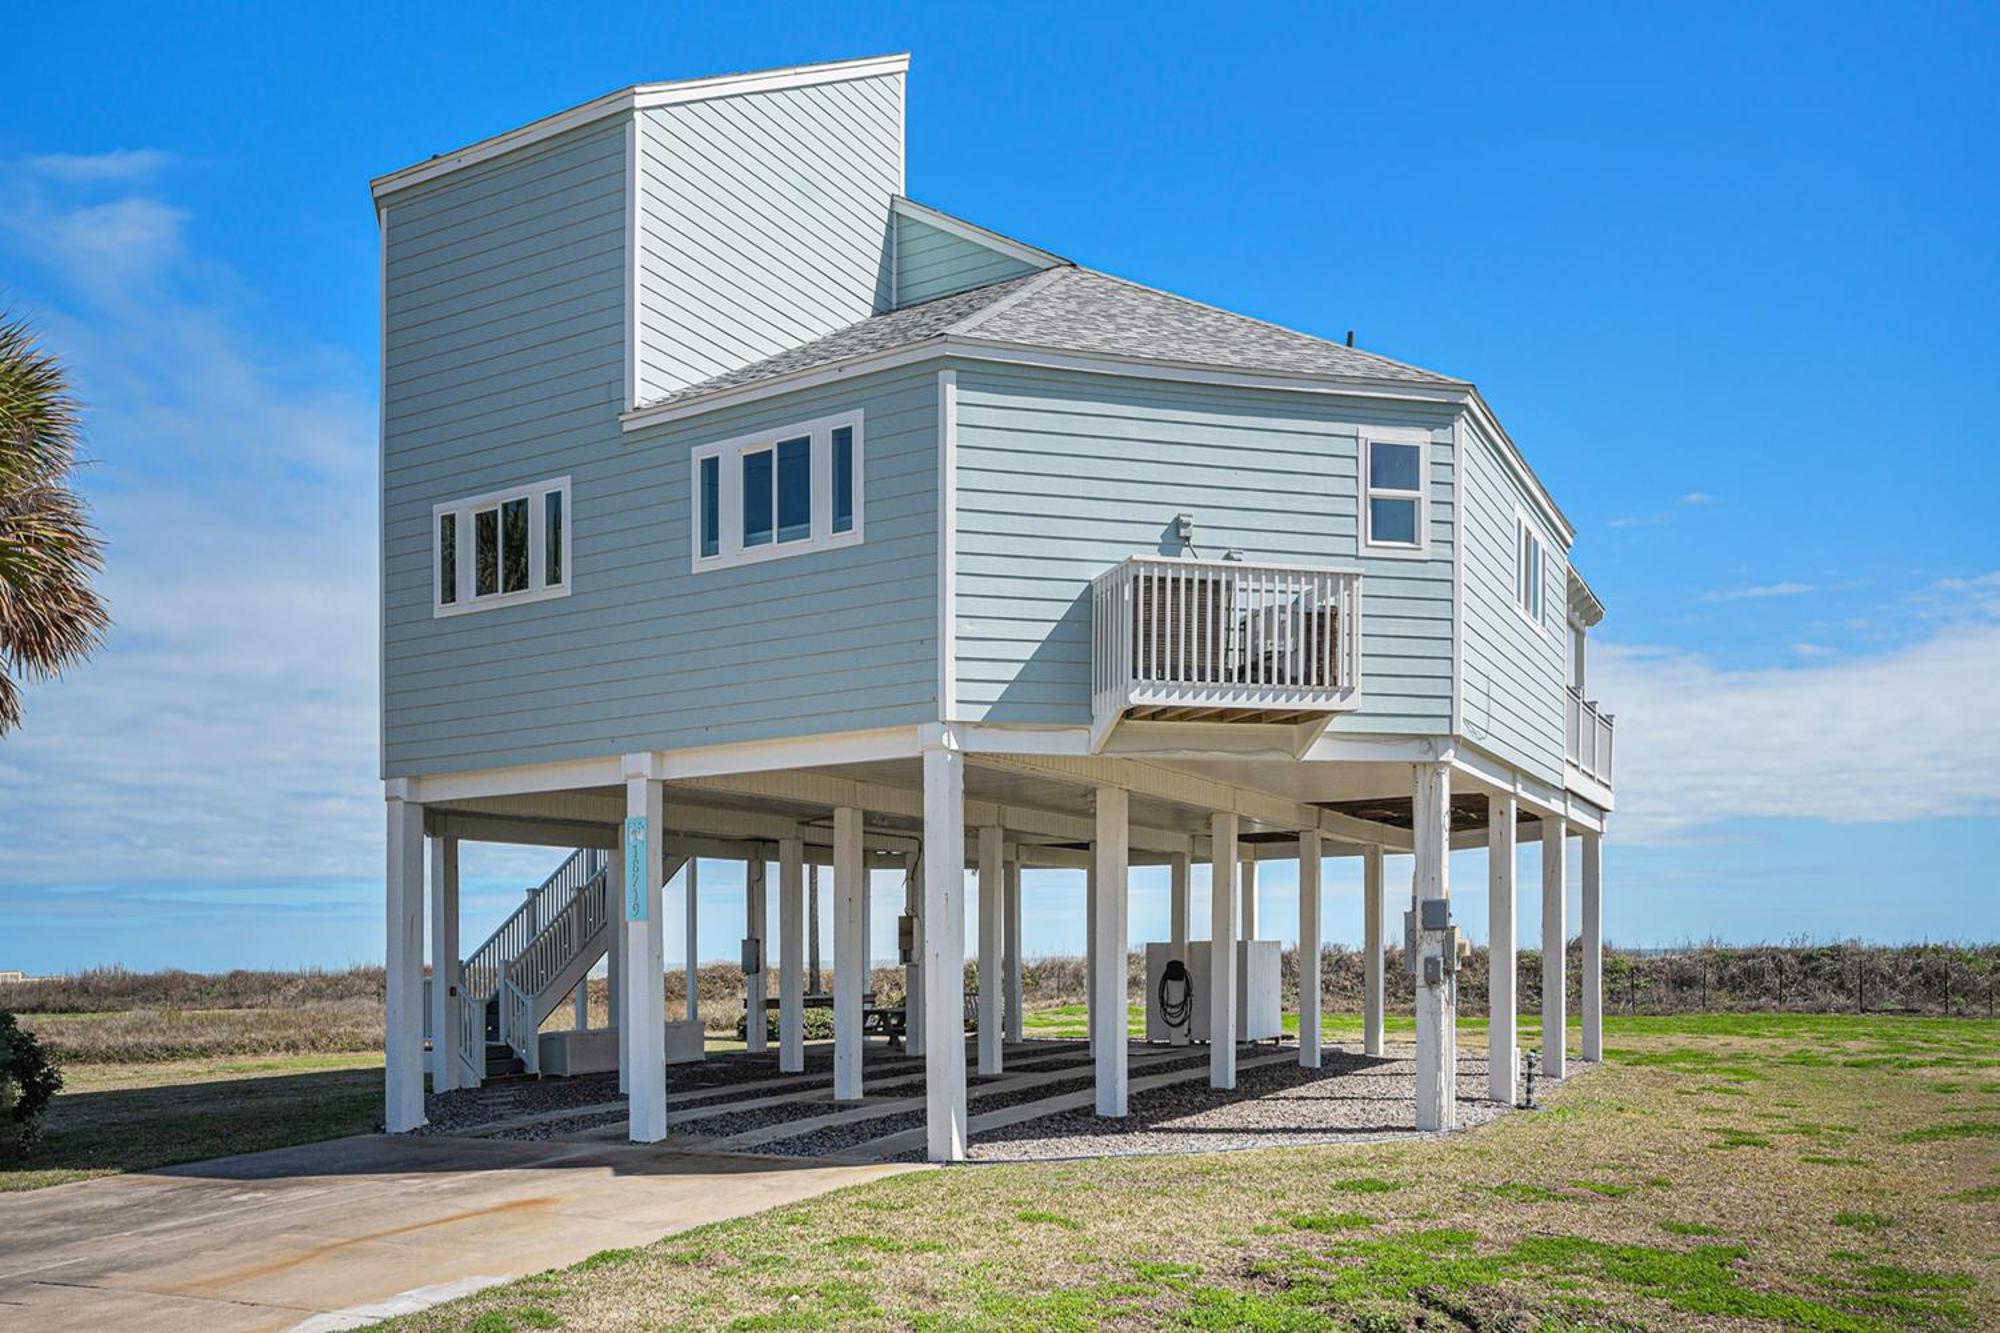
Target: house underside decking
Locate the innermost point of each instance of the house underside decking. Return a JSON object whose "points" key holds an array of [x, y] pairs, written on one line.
{"points": [[1040, 1108]]}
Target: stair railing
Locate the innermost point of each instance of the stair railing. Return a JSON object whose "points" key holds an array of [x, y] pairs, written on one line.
{"points": [[517, 1022], [480, 973], [471, 1035], [538, 963]]}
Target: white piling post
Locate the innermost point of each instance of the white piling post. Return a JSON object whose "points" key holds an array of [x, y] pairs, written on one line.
{"points": [[617, 966], [445, 981], [1015, 1019], [1222, 952], [1592, 925], [1309, 942], [1436, 994], [1372, 979], [643, 906], [1109, 944], [849, 873], [944, 953], [992, 932], [757, 991], [403, 1059], [691, 950], [1249, 895], [1503, 1056], [1179, 898], [791, 956], [1555, 938]]}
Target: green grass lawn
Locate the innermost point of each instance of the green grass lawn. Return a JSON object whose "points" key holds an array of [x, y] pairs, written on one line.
{"points": [[1723, 1171], [130, 1117]]}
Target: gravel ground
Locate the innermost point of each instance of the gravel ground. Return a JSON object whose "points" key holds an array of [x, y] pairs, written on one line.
{"points": [[1350, 1098], [840, 1138]]}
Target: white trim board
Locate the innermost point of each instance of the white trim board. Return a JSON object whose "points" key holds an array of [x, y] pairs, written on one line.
{"points": [[638, 97], [947, 524]]}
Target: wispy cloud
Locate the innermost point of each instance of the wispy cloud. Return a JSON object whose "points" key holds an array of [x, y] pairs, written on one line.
{"points": [[1759, 591], [1905, 734], [119, 165], [1662, 517]]}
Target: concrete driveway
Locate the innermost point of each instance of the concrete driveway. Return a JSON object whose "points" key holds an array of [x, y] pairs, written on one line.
{"points": [[334, 1235]]}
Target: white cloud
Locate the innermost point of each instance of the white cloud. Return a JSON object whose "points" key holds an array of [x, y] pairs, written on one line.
{"points": [[1786, 589], [1907, 734], [1664, 516], [118, 165], [1697, 498]]}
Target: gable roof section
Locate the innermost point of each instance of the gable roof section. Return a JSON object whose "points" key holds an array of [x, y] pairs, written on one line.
{"points": [[637, 97], [1070, 309]]}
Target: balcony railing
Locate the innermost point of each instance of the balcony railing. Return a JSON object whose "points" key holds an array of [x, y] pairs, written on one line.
{"points": [[1587, 736], [1223, 640]]}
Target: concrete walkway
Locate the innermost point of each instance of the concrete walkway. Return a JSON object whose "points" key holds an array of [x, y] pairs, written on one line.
{"points": [[334, 1235]]}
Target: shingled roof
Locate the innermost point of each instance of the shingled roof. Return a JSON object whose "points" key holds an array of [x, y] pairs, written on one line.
{"points": [[1072, 309]]}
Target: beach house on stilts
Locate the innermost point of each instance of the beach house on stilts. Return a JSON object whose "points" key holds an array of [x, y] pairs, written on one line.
{"points": [[737, 505]]}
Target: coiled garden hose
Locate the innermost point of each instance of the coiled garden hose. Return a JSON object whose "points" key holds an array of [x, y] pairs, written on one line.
{"points": [[1176, 1013]]}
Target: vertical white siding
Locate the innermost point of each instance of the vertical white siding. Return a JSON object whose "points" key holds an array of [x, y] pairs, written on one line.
{"points": [[1514, 669], [1062, 475], [763, 223]]}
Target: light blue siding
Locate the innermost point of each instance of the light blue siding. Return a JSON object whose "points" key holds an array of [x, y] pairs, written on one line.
{"points": [[931, 262], [1061, 475], [763, 223], [505, 365], [1514, 669]]}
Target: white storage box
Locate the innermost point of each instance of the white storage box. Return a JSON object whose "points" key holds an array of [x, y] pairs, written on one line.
{"points": [[1259, 1015]]}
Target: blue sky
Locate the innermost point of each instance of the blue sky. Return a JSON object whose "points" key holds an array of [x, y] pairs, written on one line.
{"points": [[1727, 275]]}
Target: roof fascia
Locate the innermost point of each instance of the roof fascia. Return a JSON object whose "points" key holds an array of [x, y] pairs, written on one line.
{"points": [[639, 97], [978, 235]]}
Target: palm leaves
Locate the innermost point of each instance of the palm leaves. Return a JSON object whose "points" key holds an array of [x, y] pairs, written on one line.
{"points": [[50, 616]]}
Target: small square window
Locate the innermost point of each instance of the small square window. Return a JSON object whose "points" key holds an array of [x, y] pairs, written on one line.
{"points": [[711, 506], [1392, 520], [1393, 467], [843, 479]]}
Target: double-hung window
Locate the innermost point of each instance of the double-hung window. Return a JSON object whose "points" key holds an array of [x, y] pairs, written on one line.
{"points": [[1395, 468], [1529, 569], [777, 493], [500, 548]]}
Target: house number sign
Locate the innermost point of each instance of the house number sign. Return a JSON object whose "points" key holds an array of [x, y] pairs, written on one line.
{"points": [[635, 868]]}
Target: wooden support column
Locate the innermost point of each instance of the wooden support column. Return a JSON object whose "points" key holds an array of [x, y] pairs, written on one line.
{"points": [[1437, 1000], [812, 928], [1109, 944], [849, 873], [1015, 1020], [616, 966], [644, 905], [446, 1068], [1555, 939], [944, 953], [1249, 896], [992, 932], [1091, 951], [791, 956], [913, 971], [1222, 952], [1179, 902], [1592, 925], [757, 989], [403, 1061], [1503, 1055], [1372, 944], [692, 950], [1309, 942]]}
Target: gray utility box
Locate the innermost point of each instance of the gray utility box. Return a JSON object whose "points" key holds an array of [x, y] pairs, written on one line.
{"points": [[1259, 1013]]}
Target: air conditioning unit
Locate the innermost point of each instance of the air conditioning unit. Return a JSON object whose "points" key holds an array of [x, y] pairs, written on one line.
{"points": [[1259, 1012]]}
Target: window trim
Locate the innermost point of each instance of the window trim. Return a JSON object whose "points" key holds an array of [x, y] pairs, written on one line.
{"points": [[1537, 619], [1421, 550], [538, 589], [730, 551]]}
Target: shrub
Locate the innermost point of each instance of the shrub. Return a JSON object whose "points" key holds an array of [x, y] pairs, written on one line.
{"points": [[818, 1024], [28, 1079]]}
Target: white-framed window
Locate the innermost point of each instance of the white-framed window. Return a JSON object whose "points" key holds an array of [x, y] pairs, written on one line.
{"points": [[1530, 571], [1395, 486], [777, 493], [501, 548]]}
